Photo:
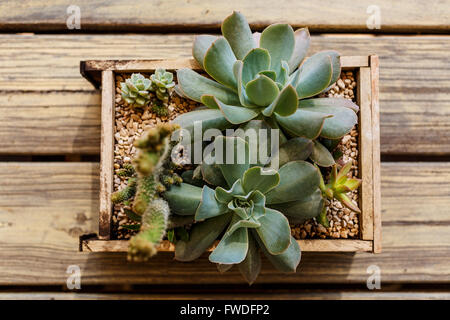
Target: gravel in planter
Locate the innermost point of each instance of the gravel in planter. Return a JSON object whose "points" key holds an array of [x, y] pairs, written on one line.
{"points": [[129, 125]]}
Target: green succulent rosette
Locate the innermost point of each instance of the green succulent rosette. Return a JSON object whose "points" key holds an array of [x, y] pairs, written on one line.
{"points": [[251, 208], [136, 90], [267, 77]]}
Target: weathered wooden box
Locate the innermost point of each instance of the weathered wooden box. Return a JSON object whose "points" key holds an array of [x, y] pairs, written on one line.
{"points": [[101, 75]]}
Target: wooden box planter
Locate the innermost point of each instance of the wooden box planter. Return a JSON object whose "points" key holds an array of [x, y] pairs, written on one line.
{"points": [[102, 75]]}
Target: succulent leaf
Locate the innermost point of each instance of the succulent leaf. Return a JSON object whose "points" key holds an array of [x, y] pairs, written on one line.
{"points": [[302, 39], [234, 114], [335, 62], [285, 104], [194, 86], [255, 179], [297, 180], [184, 199], [251, 266], [201, 237], [232, 248], [303, 122], [232, 169], [343, 117], [201, 45], [287, 261], [295, 149], [262, 90], [321, 156], [279, 40], [236, 30], [301, 210], [209, 207], [256, 61], [274, 231], [219, 61], [315, 76], [135, 90]]}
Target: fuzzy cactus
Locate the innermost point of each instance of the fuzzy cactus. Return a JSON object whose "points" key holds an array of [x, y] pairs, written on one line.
{"points": [[162, 84], [145, 194], [126, 171], [160, 108], [154, 223], [136, 90], [126, 193]]}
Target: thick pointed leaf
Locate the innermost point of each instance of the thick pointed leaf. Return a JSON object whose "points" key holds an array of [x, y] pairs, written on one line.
{"points": [[279, 40], [295, 149], [234, 114], [251, 266], [208, 118], [301, 210], [321, 156], [201, 45], [255, 61], [262, 90], [232, 157], [343, 118], [209, 207], [238, 68], [183, 199], [232, 249], [193, 86], [219, 61], [255, 179], [283, 77], [297, 180], [335, 62], [305, 123], [274, 232], [222, 268], [201, 236], [236, 30], [269, 73], [225, 196], [249, 224], [315, 75], [302, 39], [346, 201], [288, 260], [285, 104], [258, 135]]}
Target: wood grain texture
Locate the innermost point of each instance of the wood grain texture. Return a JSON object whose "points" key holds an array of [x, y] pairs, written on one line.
{"points": [[414, 75], [119, 15], [365, 152], [50, 204], [263, 295], [376, 167], [107, 153], [319, 245]]}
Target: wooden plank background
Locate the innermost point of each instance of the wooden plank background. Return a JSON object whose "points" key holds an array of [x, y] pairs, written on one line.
{"points": [[48, 110], [51, 204], [175, 15], [63, 106]]}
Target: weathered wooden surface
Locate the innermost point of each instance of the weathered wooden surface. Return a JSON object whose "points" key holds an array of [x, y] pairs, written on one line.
{"points": [[261, 295], [57, 111], [170, 15], [50, 204]]}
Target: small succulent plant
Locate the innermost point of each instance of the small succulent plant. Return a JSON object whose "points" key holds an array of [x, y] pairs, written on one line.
{"points": [[162, 84], [266, 76], [251, 208], [159, 108], [136, 90], [337, 187]]}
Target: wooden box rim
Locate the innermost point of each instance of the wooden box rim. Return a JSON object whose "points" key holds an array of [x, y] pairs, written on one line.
{"points": [[101, 74]]}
